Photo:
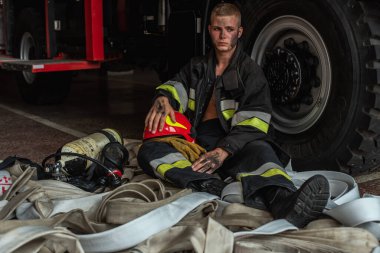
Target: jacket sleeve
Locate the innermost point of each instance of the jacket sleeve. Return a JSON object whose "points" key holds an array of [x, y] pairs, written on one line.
{"points": [[176, 89], [252, 117]]}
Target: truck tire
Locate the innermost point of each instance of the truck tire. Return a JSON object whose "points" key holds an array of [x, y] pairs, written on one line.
{"points": [[322, 62], [41, 88]]}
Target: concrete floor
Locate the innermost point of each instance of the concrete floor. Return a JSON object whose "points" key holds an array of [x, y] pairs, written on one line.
{"points": [[36, 131], [119, 101]]}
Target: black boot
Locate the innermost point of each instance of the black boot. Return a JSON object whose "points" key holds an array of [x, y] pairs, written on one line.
{"points": [[302, 206], [213, 186]]}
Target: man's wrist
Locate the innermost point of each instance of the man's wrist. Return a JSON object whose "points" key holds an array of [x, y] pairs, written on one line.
{"points": [[162, 97], [226, 146], [222, 152]]}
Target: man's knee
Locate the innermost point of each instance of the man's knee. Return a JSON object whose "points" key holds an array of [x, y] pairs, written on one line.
{"points": [[257, 153], [268, 151], [143, 154], [146, 155], [259, 150], [257, 146]]}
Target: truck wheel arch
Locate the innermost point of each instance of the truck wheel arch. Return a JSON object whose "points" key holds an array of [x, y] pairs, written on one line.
{"points": [[28, 44]]}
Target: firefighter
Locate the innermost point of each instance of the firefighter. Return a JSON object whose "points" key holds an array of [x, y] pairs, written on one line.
{"points": [[226, 98]]}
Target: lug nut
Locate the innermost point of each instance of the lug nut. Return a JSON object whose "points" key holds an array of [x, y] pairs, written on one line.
{"points": [[295, 107], [304, 46], [289, 43]]}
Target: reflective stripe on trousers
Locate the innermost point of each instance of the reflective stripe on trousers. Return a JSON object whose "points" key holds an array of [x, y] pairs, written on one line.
{"points": [[159, 159]]}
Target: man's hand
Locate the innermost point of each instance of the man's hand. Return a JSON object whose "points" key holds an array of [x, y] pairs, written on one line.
{"points": [[157, 114], [210, 161]]}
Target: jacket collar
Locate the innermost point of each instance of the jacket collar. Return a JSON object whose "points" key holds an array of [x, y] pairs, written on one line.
{"points": [[230, 77], [234, 60]]}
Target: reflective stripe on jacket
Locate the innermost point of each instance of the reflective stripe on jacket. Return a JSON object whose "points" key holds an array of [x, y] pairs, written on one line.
{"points": [[241, 93]]}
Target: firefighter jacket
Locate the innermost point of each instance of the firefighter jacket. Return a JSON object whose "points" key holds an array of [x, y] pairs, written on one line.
{"points": [[242, 97]]}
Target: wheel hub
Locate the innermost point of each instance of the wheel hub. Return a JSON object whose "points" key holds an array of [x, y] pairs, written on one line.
{"points": [[291, 73]]}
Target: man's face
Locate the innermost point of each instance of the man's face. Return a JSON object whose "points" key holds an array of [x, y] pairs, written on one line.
{"points": [[225, 32]]}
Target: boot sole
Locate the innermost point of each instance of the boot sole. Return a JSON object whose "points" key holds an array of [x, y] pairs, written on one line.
{"points": [[310, 201]]}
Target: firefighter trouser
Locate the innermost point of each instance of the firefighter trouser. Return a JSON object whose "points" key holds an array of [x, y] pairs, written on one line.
{"points": [[257, 165]]}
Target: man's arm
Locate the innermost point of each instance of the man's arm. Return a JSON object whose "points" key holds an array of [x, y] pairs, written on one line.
{"points": [[170, 96], [157, 114], [252, 118]]}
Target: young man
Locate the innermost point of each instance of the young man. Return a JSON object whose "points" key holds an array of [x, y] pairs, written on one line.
{"points": [[226, 98]]}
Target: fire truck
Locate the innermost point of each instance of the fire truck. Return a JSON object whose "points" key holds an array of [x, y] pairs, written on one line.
{"points": [[321, 59]]}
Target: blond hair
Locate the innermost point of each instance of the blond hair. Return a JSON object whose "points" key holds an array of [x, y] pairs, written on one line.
{"points": [[226, 9]]}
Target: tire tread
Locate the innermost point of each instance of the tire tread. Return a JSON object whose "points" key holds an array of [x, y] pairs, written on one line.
{"points": [[366, 156]]}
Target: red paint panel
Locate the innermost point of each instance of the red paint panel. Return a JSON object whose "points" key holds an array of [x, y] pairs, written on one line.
{"points": [[94, 30], [67, 66]]}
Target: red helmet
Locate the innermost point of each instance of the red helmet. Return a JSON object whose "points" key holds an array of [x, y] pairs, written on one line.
{"points": [[181, 127]]}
